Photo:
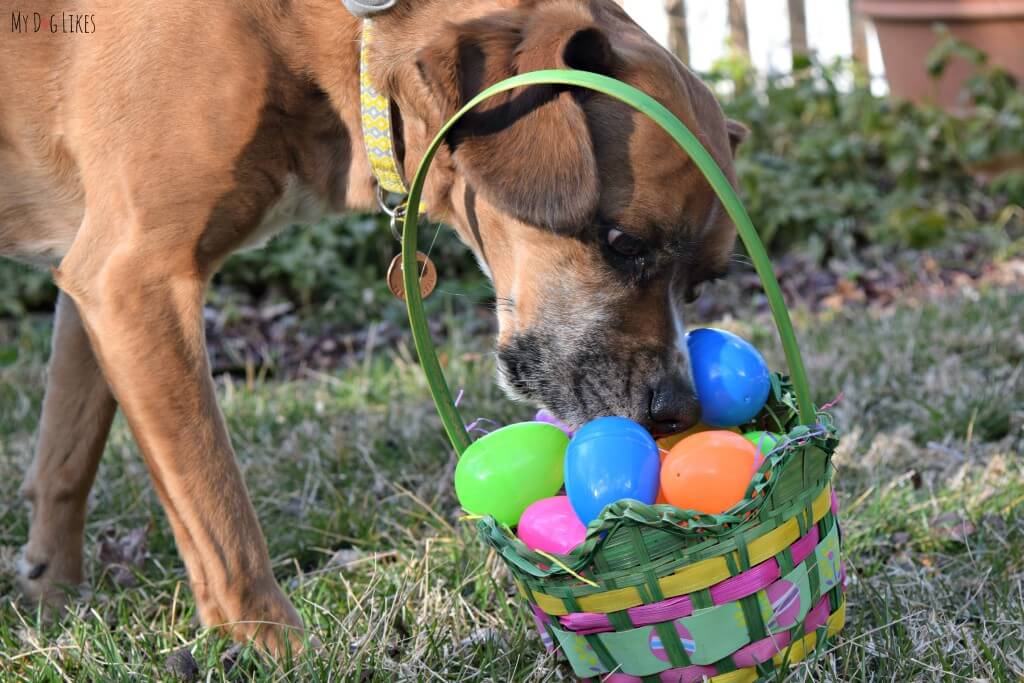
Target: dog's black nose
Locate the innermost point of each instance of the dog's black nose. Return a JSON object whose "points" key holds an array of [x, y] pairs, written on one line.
{"points": [[674, 407]]}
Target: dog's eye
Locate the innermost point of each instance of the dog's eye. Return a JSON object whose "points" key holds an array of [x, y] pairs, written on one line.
{"points": [[693, 293], [625, 245]]}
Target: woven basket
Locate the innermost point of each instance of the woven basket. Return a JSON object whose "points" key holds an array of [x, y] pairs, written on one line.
{"points": [[657, 593]]}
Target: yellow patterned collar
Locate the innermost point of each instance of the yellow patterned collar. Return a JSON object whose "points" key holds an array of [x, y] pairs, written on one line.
{"points": [[378, 136]]}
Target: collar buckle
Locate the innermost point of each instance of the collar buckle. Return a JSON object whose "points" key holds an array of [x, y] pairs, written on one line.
{"points": [[396, 212]]}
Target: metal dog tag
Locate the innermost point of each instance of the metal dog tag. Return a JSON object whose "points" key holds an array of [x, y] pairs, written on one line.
{"points": [[428, 276]]}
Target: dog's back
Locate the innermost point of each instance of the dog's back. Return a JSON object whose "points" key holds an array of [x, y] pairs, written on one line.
{"points": [[40, 192], [90, 95]]}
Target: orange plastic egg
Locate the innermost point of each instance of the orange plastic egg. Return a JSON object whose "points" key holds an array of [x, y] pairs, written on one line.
{"points": [[708, 472], [668, 442]]}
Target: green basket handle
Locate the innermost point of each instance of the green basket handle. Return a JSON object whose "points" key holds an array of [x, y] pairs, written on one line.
{"points": [[686, 140]]}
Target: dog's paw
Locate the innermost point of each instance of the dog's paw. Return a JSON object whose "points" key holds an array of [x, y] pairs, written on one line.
{"points": [[265, 617], [52, 581]]}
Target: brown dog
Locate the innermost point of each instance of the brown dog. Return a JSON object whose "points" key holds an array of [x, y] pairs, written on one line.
{"points": [[142, 153]]}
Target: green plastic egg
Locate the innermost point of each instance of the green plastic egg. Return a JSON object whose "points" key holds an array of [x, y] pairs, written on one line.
{"points": [[766, 442], [508, 470]]}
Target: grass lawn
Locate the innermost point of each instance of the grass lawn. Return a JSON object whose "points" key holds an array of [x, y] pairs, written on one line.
{"points": [[352, 481]]}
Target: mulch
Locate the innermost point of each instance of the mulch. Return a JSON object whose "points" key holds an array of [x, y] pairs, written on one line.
{"points": [[278, 340]]}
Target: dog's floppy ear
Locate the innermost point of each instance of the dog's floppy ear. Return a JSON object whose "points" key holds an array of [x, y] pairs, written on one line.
{"points": [[528, 151], [737, 134]]}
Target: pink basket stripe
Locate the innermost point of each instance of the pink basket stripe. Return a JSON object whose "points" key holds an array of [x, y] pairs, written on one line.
{"points": [[542, 620], [765, 649], [691, 674], [749, 582], [751, 655]]}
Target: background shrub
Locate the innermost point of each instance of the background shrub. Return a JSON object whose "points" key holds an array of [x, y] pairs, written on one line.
{"points": [[829, 169]]}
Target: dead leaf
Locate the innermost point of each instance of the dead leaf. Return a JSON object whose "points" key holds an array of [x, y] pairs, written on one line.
{"points": [[994, 478], [121, 553], [182, 666], [344, 558], [275, 311], [229, 658], [900, 539], [952, 526]]}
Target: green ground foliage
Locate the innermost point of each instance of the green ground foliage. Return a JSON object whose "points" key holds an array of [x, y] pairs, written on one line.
{"points": [[831, 167], [352, 480]]}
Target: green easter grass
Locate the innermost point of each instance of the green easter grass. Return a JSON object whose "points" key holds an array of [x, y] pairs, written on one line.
{"points": [[354, 466]]}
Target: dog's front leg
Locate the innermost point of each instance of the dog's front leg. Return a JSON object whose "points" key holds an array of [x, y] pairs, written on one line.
{"points": [[140, 296], [77, 412]]}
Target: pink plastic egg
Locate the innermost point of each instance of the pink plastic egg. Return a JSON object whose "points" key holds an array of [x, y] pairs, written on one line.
{"points": [[552, 526]]}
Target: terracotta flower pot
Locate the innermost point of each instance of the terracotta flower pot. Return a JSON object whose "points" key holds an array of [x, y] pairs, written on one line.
{"points": [[906, 31]]}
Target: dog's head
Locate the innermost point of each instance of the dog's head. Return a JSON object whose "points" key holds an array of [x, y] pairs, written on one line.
{"points": [[594, 227]]}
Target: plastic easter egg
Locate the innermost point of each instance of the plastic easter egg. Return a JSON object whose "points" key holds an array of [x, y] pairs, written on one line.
{"points": [[662, 454], [765, 442], [506, 471], [551, 525], [545, 416], [609, 460], [731, 377], [708, 472], [667, 442]]}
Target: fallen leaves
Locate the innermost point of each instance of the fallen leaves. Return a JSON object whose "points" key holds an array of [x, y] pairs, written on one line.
{"points": [[121, 554], [182, 666], [952, 526], [230, 658]]}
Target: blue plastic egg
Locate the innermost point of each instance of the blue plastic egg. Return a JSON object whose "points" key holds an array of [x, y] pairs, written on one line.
{"points": [[609, 460], [731, 377]]}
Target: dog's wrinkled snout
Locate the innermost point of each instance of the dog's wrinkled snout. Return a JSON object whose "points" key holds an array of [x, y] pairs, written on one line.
{"points": [[673, 406]]}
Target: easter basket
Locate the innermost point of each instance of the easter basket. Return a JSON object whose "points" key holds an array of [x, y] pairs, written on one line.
{"points": [[656, 593]]}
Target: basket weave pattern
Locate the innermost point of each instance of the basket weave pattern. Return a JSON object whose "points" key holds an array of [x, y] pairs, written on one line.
{"points": [[660, 594]]}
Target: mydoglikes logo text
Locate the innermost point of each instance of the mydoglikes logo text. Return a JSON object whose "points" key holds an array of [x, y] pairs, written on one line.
{"points": [[65, 22]]}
